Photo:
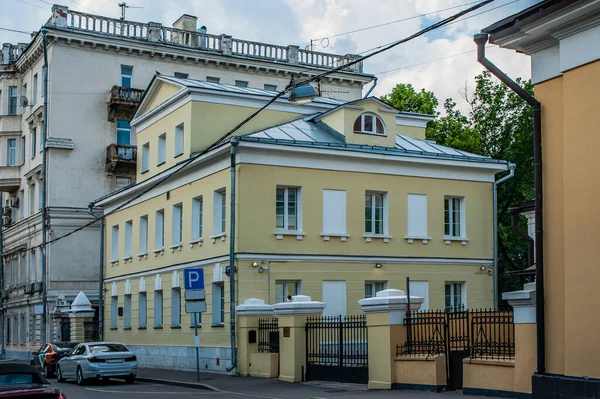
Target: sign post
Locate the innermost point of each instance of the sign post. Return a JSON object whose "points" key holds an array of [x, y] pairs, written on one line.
{"points": [[195, 304]]}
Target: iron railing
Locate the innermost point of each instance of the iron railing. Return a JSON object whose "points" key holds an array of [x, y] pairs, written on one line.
{"points": [[492, 335], [268, 335]]}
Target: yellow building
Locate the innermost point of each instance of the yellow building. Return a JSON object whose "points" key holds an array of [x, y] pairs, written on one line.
{"points": [[562, 39], [335, 200]]}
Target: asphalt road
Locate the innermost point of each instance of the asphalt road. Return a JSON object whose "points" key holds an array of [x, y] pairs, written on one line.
{"points": [[119, 390]]}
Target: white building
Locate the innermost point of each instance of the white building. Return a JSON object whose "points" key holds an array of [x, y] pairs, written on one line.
{"points": [[98, 68]]}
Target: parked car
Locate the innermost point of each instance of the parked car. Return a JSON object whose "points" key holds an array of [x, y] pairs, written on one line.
{"points": [[19, 380], [47, 357], [98, 360]]}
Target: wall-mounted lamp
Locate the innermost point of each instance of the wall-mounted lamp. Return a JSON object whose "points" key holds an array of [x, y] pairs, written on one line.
{"points": [[262, 269], [257, 263], [378, 265], [482, 268]]}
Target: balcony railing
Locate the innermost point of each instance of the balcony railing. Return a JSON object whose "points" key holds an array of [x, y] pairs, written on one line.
{"points": [[125, 95], [121, 158], [11, 53], [153, 32]]}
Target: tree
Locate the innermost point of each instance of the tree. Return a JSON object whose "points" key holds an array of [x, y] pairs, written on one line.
{"points": [[405, 98]]}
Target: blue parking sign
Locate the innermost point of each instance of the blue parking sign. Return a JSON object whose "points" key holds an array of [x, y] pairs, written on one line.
{"points": [[193, 279]]}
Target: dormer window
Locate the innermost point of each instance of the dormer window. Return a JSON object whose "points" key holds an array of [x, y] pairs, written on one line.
{"points": [[369, 124]]}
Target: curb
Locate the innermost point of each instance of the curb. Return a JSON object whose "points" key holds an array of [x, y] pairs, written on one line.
{"points": [[186, 384]]}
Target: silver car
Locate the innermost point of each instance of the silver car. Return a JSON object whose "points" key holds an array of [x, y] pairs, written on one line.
{"points": [[98, 360]]}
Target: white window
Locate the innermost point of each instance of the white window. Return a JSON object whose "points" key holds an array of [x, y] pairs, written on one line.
{"points": [[285, 290], [162, 149], [32, 266], [177, 224], [23, 267], [454, 217], [455, 296], [334, 212], [375, 213], [197, 205], [12, 152], [114, 312], [212, 79], [123, 136], [417, 216], [220, 214], [33, 141], [40, 195], [121, 182], [128, 239], [373, 287], [179, 139], [142, 312], [241, 83], [127, 312], [35, 90], [24, 91], [12, 100], [31, 199], [270, 87], [158, 309], [22, 150], [180, 75], [115, 244], [370, 124], [175, 307], [143, 248], [21, 204], [159, 230], [145, 157], [126, 76], [287, 208], [218, 304]]}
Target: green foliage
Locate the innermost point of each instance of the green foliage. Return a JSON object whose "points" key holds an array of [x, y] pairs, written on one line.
{"points": [[405, 98]]}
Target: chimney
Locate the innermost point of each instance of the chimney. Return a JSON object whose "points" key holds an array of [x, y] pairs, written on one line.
{"points": [[186, 22]]}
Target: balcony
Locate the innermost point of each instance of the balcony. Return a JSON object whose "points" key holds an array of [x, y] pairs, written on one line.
{"points": [[122, 102], [121, 159], [10, 179]]}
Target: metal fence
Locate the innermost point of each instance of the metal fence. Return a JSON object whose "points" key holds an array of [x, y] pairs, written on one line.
{"points": [[268, 335], [492, 335]]}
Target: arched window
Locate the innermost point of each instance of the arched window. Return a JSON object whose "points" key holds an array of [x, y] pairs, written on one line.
{"points": [[370, 124]]}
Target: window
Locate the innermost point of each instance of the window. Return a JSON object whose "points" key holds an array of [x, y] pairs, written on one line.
{"points": [[179, 140], [23, 267], [143, 235], [218, 304], [455, 296], [454, 217], [21, 204], [270, 87], [33, 141], [369, 123], [175, 307], [159, 231], [145, 157], [142, 312], [177, 225], [162, 149], [195, 319], [35, 90], [12, 100], [123, 132], [40, 195], [115, 244], [31, 199], [22, 150], [373, 287], [417, 215], [375, 222], [241, 83], [197, 205], [287, 208], [12, 152], [128, 238], [181, 75], [32, 266], [212, 79], [285, 290], [24, 91], [121, 182], [334, 212], [220, 213], [127, 312], [158, 309], [126, 76], [114, 312]]}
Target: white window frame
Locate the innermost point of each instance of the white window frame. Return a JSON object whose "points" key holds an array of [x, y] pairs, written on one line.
{"points": [[127, 76], [197, 214], [241, 83], [33, 266], [161, 149], [374, 125], [123, 129], [13, 100], [281, 232], [145, 157], [40, 195], [270, 87], [114, 244], [175, 307], [142, 310], [114, 312], [118, 185], [462, 236], [143, 244], [181, 75], [159, 231], [284, 284], [34, 89], [177, 226], [33, 142], [212, 79], [218, 305], [374, 285], [179, 139], [128, 240], [23, 149], [219, 214], [11, 152], [31, 192], [463, 295], [369, 235], [158, 309], [21, 204], [127, 312]]}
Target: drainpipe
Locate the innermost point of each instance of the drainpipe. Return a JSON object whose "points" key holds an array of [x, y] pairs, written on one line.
{"points": [[44, 191], [2, 340], [372, 87], [234, 144], [511, 173], [481, 39], [100, 272]]}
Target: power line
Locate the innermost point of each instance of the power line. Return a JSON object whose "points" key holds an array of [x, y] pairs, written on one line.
{"points": [[15, 30], [81, 5], [254, 114], [43, 1], [33, 5]]}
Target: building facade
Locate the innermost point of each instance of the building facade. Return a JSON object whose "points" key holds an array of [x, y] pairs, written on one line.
{"points": [[562, 39], [98, 69], [333, 199]]}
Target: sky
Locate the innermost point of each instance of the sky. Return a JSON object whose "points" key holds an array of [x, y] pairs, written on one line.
{"points": [[442, 61]]}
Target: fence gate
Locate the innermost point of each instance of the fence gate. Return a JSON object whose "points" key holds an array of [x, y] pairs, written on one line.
{"points": [[337, 349]]}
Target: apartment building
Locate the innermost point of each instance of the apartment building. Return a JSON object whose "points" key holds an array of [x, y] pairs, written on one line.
{"points": [[333, 199], [98, 69]]}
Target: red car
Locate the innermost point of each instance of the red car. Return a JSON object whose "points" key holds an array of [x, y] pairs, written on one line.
{"points": [[47, 357], [21, 381]]}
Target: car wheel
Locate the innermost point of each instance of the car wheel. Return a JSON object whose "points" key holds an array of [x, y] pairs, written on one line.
{"points": [[130, 379], [59, 375], [80, 380]]}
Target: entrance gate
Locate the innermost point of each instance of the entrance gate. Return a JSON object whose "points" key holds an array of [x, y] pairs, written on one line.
{"points": [[337, 349]]}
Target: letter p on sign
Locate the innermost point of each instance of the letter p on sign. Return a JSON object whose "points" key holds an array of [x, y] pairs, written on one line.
{"points": [[193, 279]]}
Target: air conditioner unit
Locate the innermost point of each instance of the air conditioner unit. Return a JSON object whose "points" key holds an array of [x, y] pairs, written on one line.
{"points": [[14, 202], [38, 286], [28, 289], [6, 221], [31, 286], [7, 210]]}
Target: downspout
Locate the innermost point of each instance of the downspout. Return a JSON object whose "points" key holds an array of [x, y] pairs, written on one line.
{"points": [[372, 87], [511, 173], [100, 272], [3, 341], [530, 248], [481, 40], [44, 191], [234, 143]]}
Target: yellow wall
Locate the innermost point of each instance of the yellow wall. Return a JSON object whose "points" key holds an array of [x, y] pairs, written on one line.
{"points": [[411, 131], [495, 375], [421, 370], [165, 91]]}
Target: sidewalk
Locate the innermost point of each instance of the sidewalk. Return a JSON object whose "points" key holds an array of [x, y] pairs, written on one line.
{"points": [[275, 389]]}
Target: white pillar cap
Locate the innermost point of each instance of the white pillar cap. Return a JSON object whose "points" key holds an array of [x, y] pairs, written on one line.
{"points": [[254, 307], [300, 304], [523, 303], [390, 301]]}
